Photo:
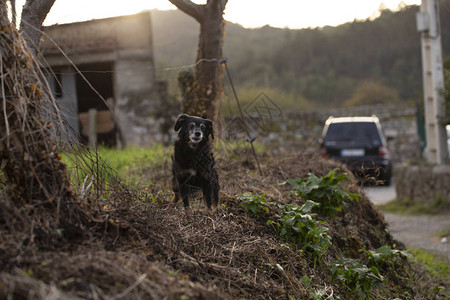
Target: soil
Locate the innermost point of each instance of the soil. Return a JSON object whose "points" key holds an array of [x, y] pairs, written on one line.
{"points": [[130, 246]]}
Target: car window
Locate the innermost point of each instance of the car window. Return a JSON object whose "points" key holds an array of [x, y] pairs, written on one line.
{"points": [[365, 133]]}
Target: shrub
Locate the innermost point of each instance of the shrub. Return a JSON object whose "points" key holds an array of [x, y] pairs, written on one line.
{"points": [[358, 278], [254, 204], [385, 255], [325, 191], [296, 225]]}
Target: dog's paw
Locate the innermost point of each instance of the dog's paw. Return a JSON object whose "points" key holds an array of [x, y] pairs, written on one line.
{"points": [[213, 211]]}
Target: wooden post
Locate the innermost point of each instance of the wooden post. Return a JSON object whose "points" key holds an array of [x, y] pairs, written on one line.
{"points": [[92, 133]]}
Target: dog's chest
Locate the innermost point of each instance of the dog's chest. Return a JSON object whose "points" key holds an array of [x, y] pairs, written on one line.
{"points": [[189, 154]]}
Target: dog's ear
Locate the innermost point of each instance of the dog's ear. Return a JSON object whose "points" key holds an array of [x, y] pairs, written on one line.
{"points": [[209, 127], [180, 121]]}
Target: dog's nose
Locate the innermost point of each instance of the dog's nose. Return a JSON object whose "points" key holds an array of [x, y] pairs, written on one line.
{"points": [[197, 133]]}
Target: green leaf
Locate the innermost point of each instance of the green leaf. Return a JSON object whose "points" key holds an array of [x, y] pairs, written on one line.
{"points": [[308, 206]]}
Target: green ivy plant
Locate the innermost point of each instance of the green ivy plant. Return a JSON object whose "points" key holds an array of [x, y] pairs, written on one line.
{"points": [[314, 293], [325, 190], [296, 225], [254, 204], [385, 256], [356, 277]]}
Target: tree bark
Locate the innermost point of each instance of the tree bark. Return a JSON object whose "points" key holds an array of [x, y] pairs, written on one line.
{"points": [[33, 15], [204, 96]]}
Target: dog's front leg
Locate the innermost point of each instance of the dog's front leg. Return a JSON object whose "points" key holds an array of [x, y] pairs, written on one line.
{"points": [[207, 192], [184, 192], [215, 194]]}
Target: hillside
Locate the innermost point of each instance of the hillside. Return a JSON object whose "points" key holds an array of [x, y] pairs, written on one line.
{"points": [[131, 247], [325, 66]]}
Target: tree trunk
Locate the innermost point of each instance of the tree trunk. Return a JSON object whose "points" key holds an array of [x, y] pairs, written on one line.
{"points": [[203, 97], [33, 15]]}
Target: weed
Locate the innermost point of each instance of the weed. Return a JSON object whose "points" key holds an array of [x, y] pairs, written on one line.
{"points": [[437, 266], [130, 164], [443, 233], [296, 225], [415, 207], [356, 277], [254, 204], [325, 191], [386, 256], [314, 293]]}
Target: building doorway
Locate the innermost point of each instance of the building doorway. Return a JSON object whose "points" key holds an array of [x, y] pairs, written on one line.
{"points": [[94, 86]]}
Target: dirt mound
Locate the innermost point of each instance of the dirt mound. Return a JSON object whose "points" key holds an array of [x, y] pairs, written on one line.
{"points": [[134, 248]]}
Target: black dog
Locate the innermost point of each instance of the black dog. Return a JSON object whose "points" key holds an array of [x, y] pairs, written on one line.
{"points": [[193, 165]]}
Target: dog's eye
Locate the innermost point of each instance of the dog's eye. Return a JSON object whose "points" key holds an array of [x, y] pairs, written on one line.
{"points": [[202, 126], [191, 125]]}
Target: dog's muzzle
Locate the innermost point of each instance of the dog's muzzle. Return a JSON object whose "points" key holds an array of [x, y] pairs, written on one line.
{"points": [[196, 137]]}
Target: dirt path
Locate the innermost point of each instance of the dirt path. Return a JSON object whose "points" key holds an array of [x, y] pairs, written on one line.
{"points": [[422, 232]]}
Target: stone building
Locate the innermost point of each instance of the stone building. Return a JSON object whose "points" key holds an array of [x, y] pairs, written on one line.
{"points": [[107, 59]]}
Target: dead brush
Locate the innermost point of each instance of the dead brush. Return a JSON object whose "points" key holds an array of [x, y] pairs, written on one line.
{"points": [[41, 211], [38, 192], [39, 206]]}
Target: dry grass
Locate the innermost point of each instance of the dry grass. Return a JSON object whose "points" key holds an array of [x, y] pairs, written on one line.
{"points": [[135, 248]]}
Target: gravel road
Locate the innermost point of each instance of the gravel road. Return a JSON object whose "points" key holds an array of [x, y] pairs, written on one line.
{"points": [[422, 231]]}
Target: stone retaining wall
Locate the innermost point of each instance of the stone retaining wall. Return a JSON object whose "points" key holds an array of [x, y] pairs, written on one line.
{"points": [[427, 184], [300, 131]]}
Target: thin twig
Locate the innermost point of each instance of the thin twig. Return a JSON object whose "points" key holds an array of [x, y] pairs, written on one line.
{"points": [[4, 102], [131, 287]]}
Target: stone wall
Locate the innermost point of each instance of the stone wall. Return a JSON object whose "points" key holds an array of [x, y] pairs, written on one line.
{"points": [[427, 184], [300, 131]]}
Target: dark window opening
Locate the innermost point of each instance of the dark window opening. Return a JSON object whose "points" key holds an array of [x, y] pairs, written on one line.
{"points": [[100, 77]]}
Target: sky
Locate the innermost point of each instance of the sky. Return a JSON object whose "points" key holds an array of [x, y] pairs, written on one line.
{"points": [[249, 13]]}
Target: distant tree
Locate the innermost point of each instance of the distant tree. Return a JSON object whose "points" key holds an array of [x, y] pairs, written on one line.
{"points": [[369, 93], [447, 90], [202, 94]]}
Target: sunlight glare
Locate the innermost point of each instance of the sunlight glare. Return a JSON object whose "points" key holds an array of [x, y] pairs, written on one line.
{"points": [[249, 13], [304, 13]]}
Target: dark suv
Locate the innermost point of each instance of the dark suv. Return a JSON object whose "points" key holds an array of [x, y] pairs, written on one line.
{"points": [[359, 143]]}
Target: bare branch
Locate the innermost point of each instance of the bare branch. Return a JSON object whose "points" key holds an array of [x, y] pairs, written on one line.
{"points": [[190, 8], [13, 11], [33, 15]]}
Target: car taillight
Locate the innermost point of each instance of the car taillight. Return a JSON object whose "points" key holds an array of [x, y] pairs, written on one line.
{"points": [[323, 151], [382, 151]]}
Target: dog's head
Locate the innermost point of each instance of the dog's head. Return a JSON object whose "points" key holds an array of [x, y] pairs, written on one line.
{"points": [[195, 128]]}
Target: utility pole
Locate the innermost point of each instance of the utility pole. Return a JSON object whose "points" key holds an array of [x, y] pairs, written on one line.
{"points": [[433, 82]]}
